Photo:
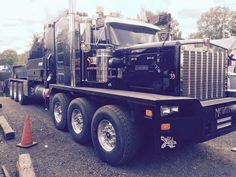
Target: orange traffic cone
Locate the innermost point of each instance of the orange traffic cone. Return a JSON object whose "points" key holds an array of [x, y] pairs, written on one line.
{"points": [[26, 138]]}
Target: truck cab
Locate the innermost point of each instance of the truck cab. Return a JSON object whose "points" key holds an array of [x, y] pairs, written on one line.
{"points": [[112, 81]]}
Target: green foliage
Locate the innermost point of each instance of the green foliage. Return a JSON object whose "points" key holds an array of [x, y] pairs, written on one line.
{"points": [[232, 24], [197, 35], [11, 57], [176, 33], [22, 58], [214, 24], [116, 14], [8, 56]]}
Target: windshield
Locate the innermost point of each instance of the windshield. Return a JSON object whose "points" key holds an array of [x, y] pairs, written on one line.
{"points": [[5, 68], [126, 35]]}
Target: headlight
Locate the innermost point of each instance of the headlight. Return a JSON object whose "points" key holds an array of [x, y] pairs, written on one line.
{"points": [[174, 109], [167, 110]]}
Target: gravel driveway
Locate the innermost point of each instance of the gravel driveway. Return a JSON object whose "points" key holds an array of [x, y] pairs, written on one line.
{"points": [[58, 155]]}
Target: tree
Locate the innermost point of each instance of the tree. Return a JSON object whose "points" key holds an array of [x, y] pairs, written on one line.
{"points": [[232, 24], [176, 33], [22, 58], [116, 14], [8, 56], [162, 19], [213, 24], [197, 35]]}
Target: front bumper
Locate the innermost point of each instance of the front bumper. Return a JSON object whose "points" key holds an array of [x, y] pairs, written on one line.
{"points": [[199, 122]]}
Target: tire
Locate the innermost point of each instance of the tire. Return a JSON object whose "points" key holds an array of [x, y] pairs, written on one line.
{"points": [[79, 117], [126, 133], [6, 87], [21, 97], [15, 91], [11, 90], [60, 104]]}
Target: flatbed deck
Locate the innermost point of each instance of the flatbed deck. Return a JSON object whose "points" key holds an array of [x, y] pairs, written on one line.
{"points": [[138, 96], [120, 94]]}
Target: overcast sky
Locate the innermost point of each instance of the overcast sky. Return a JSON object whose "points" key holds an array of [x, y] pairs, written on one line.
{"points": [[19, 19]]}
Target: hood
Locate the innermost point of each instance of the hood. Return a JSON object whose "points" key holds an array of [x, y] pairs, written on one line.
{"points": [[139, 47]]}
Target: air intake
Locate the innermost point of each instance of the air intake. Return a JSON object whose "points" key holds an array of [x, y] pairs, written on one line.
{"points": [[203, 71]]}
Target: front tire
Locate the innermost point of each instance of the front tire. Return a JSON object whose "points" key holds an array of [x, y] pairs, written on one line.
{"points": [[79, 117], [58, 110], [114, 135]]}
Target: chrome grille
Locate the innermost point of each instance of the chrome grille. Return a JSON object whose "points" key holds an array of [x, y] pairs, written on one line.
{"points": [[203, 74], [224, 122]]}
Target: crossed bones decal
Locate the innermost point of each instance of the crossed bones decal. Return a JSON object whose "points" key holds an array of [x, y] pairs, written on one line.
{"points": [[169, 141]]}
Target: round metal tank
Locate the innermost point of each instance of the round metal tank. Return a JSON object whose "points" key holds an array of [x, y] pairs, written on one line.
{"points": [[103, 56], [40, 91]]}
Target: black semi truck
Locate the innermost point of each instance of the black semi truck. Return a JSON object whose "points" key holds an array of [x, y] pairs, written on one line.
{"points": [[110, 81]]}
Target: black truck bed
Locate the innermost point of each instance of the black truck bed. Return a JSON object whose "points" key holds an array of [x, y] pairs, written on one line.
{"points": [[137, 95], [134, 96], [120, 94]]}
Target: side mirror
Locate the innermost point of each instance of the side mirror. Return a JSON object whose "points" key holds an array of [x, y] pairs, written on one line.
{"points": [[86, 38], [232, 57]]}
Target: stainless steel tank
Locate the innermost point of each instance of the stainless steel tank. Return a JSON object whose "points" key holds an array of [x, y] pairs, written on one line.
{"points": [[103, 56]]}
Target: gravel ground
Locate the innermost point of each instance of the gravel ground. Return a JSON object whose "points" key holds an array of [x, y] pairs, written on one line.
{"points": [[58, 155]]}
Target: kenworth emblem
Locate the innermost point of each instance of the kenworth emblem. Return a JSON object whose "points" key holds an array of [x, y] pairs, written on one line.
{"points": [[168, 141], [225, 110]]}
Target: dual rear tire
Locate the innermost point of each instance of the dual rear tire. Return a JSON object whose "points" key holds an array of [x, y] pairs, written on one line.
{"points": [[11, 90], [22, 99], [17, 92], [80, 113], [76, 116], [58, 109], [113, 133]]}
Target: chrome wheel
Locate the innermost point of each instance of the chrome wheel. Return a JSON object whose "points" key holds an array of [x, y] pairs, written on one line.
{"points": [[77, 121], [106, 135], [58, 112]]}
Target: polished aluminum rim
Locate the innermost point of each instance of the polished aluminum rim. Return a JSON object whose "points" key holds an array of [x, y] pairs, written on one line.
{"points": [[58, 112], [106, 135], [77, 121]]}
